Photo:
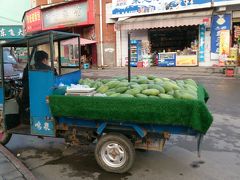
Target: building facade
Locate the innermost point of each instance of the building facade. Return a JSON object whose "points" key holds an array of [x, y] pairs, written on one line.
{"points": [[98, 38], [171, 32], [177, 33]]}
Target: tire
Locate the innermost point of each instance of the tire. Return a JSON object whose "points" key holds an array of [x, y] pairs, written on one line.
{"points": [[115, 153], [4, 136]]}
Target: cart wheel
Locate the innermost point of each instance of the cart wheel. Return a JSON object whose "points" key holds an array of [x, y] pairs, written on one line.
{"points": [[115, 153], [4, 136]]}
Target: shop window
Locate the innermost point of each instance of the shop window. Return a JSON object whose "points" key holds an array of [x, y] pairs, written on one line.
{"points": [[174, 39], [175, 46]]}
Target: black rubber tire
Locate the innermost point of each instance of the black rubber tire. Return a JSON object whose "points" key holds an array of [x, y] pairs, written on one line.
{"points": [[125, 143]]}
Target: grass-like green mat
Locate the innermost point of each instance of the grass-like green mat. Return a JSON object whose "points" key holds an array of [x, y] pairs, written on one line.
{"points": [[190, 113]]}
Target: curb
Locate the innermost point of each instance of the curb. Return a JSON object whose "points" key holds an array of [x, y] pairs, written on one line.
{"points": [[17, 163]]}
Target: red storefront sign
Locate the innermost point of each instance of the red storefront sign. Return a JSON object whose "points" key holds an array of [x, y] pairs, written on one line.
{"points": [[59, 16], [68, 15], [33, 20]]}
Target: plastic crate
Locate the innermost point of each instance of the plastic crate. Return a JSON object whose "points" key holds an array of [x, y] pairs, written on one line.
{"points": [[229, 72], [140, 64]]}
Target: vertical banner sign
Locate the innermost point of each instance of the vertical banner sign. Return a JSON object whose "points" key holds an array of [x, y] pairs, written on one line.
{"points": [[219, 22], [202, 31], [224, 42], [224, 46]]}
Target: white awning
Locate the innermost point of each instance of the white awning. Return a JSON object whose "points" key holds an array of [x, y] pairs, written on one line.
{"points": [[165, 20], [74, 41]]}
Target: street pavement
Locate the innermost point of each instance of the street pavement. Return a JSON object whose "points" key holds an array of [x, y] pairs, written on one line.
{"points": [[12, 168], [50, 158], [8, 170]]}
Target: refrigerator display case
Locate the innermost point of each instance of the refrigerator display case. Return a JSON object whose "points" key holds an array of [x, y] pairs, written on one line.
{"points": [[136, 52]]}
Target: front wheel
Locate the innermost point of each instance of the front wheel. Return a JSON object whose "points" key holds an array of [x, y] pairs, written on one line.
{"points": [[4, 136], [115, 153]]}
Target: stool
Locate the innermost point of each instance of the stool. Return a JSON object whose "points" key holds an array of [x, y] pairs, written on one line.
{"points": [[86, 66], [230, 71]]}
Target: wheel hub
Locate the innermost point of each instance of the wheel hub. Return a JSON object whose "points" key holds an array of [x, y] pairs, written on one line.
{"points": [[113, 154]]}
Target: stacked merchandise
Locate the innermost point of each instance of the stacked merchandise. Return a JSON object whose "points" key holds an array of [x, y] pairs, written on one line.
{"points": [[79, 90], [144, 86], [136, 48]]}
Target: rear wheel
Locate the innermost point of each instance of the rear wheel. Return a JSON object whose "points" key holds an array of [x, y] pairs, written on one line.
{"points": [[115, 153], [4, 136]]}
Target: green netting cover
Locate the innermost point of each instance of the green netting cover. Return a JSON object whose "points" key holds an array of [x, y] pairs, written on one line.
{"points": [[190, 113]]}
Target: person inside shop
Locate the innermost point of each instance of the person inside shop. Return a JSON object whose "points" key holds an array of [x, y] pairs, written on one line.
{"points": [[40, 63]]}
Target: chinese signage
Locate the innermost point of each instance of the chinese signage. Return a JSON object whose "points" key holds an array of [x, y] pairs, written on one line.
{"points": [[121, 8], [10, 32], [219, 22], [187, 60], [42, 127], [202, 30], [236, 32], [33, 20], [67, 15]]}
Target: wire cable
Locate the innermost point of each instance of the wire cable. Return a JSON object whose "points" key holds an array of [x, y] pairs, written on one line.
{"points": [[9, 19]]}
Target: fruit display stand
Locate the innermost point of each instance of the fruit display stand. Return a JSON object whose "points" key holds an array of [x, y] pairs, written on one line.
{"points": [[192, 114]]}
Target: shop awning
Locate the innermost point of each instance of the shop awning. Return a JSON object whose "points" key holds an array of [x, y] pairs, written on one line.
{"points": [[165, 20], [74, 41]]}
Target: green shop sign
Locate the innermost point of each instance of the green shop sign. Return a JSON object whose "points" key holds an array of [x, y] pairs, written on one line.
{"points": [[10, 32]]}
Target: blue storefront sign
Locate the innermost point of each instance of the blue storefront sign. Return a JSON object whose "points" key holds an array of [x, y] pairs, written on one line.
{"points": [[202, 30], [167, 59], [11, 32], [225, 2], [219, 22], [122, 8]]}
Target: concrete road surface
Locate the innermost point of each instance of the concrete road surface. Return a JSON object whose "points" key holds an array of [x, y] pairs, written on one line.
{"points": [[50, 159]]}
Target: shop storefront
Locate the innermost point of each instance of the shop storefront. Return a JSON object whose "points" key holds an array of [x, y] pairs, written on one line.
{"points": [[235, 48], [175, 46], [172, 34], [177, 39], [226, 37], [76, 17]]}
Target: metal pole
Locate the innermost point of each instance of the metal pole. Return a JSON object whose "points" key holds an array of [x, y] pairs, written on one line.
{"points": [[59, 58], [28, 55], [51, 50], [79, 52], [101, 31], [2, 66], [129, 57]]}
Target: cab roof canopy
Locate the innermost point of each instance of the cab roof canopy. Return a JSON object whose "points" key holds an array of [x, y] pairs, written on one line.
{"points": [[41, 38]]}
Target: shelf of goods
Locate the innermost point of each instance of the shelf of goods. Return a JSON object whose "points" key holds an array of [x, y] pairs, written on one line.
{"points": [[135, 51]]}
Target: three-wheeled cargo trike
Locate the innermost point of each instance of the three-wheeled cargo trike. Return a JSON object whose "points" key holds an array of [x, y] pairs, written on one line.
{"points": [[112, 123]]}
